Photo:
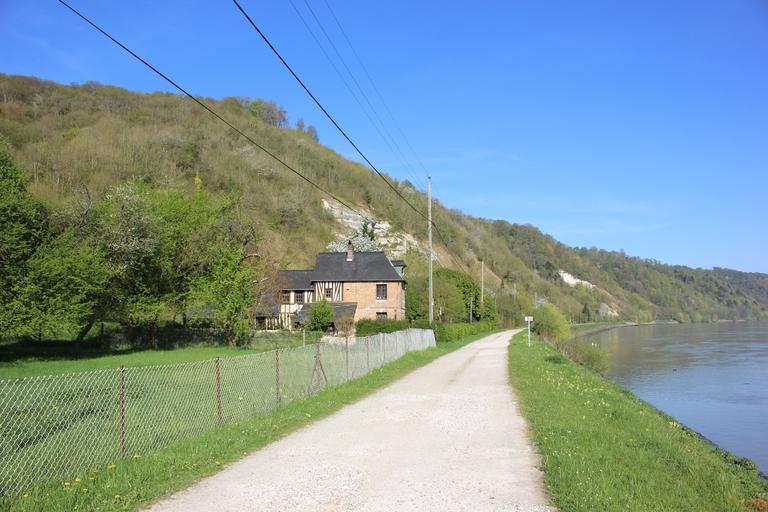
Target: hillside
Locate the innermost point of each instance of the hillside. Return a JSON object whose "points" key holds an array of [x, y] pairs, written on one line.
{"points": [[78, 143]]}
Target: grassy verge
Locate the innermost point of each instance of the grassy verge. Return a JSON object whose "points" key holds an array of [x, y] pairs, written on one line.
{"points": [[31, 359], [592, 327], [136, 482], [604, 449]]}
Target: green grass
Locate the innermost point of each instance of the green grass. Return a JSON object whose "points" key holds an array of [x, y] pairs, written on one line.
{"points": [[604, 449], [131, 483], [29, 359]]}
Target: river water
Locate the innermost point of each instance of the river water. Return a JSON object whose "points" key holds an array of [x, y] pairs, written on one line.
{"points": [[711, 377]]}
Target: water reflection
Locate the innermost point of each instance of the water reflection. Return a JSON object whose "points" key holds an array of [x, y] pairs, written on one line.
{"points": [[712, 377]]}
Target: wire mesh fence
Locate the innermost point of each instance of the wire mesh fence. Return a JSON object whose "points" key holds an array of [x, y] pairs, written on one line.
{"points": [[55, 426]]}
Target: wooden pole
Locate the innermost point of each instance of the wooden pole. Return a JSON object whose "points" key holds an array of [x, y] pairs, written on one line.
{"points": [[346, 354], [121, 410], [217, 368], [278, 398]]}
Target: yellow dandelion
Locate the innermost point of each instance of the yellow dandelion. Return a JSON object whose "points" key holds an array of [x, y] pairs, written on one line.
{"points": [[136, 456], [307, 415], [77, 479], [111, 466]]}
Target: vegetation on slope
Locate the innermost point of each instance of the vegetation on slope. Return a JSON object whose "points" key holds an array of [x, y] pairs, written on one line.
{"points": [[604, 449], [81, 145]]}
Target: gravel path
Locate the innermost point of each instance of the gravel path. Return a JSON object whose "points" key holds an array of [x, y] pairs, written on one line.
{"points": [[447, 437]]}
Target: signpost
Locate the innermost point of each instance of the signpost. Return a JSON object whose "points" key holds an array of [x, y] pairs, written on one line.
{"points": [[528, 320]]}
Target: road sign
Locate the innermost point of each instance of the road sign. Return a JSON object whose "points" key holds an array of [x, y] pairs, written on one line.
{"points": [[529, 319]]}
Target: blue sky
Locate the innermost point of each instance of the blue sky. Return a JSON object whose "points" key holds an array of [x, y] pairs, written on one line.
{"points": [[640, 126]]}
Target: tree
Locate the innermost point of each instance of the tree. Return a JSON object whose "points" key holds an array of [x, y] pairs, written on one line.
{"points": [[312, 132], [300, 125], [320, 316], [225, 295], [22, 226], [63, 288], [550, 323], [269, 112]]}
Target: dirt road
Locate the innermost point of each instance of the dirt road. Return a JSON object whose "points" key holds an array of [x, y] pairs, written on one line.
{"points": [[447, 437]]}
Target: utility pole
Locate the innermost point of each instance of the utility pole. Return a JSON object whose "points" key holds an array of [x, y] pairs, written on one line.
{"points": [[482, 284], [429, 258]]}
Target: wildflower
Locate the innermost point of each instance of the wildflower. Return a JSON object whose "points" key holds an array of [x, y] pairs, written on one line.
{"points": [[217, 463], [111, 466], [77, 479], [117, 496], [25, 496], [136, 456], [66, 484], [307, 415]]}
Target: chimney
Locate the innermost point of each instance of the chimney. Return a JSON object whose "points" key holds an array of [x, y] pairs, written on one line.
{"points": [[350, 251]]}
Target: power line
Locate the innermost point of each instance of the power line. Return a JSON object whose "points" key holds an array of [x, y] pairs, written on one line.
{"points": [[328, 115], [397, 151], [333, 121], [373, 84], [209, 109], [346, 83]]}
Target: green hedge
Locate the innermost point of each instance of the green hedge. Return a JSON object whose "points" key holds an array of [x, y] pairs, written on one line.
{"points": [[369, 327], [454, 332]]}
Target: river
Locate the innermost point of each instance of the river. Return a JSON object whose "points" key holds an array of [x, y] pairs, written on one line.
{"points": [[711, 377]]}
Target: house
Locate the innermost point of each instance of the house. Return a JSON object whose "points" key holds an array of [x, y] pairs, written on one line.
{"points": [[360, 285]]}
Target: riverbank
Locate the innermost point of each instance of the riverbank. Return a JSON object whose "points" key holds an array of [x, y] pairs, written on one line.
{"points": [[604, 449]]}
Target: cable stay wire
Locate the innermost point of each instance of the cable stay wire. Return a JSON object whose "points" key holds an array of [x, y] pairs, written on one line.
{"points": [[327, 114], [349, 88], [397, 150], [373, 85], [211, 110]]}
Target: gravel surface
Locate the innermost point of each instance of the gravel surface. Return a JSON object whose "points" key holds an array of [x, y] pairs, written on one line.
{"points": [[447, 437]]}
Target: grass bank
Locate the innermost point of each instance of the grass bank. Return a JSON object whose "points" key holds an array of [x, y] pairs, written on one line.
{"points": [[604, 449], [146, 477]]}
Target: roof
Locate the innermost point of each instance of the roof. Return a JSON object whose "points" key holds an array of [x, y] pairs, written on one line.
{"points": [[365, 266], [399, 263], [340, 310], [296, 279]]}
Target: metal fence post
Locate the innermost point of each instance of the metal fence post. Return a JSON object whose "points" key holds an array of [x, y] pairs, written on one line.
{"points": [[368, 353], [277, 377], [121, 410], [346, 355], [217, 368]]}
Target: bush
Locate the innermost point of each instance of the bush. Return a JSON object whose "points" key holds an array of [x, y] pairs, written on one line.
{"points": [[320, 316], [589, 355], [370, 327], [551, 325], [454, 332]]}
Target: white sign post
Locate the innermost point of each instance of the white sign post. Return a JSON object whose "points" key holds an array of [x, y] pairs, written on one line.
{"points": [[529, 319]]}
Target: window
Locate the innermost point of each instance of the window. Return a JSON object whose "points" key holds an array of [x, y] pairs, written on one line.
{"points": [[381, 292], [329, 293], [381, 315], [285, 297], [298, 297]]}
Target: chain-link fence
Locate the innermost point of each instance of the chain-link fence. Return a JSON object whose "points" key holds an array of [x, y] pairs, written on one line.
{"points": [[54, 426]]}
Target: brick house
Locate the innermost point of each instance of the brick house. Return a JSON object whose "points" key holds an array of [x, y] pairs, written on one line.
{"points": [[361, 285]]}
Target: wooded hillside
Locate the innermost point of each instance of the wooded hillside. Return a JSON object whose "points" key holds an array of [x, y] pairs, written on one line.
{"points": [[90, 151]]}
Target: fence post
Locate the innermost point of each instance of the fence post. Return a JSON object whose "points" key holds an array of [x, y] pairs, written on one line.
{"points": [[277, 376], [368, 353], [346, 355], [121, 411], [303, 337], [383, 346], [217, 367]]}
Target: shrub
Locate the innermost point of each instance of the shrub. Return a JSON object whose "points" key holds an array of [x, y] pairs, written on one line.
{"points": [[550, 324], [454, 332], [370, 327], [589, 355], [320, 316]]}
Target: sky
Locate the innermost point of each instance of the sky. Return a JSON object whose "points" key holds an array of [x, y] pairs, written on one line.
{"points": [[635, 126]]}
